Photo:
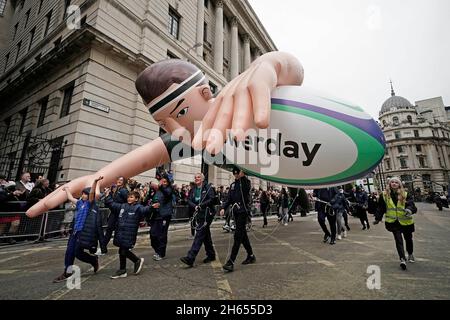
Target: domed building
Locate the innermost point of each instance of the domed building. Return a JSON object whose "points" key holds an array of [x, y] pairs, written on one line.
{"points": [[417, 143]]}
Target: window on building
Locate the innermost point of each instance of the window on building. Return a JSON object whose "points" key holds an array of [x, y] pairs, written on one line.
{"points": [[416, 133], [6, 61], [66, 6], [174, 23], [48, 20], [7, 122], [205, 32], [422, 162], [404, 163], [16, 27], [19, 46], [400, 149], [23, 115], [40, 6], [67, 101], [170, 55], [206, 3], [419, 148], [32, 33], [27, 17], [388, 164], [43, 103], [409, 119], [213, 87], [397, 135], [204, 56], [2, 7], [395, 120]]}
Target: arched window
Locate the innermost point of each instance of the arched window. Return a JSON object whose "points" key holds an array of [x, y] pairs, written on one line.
{"points": [[409, 119], [395, 120]]}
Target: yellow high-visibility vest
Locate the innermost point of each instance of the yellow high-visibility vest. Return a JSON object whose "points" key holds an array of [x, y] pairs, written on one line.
{"points": [[396, 212]]}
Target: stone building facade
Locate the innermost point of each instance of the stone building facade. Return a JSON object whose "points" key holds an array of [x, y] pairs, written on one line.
{"points": [[418, 143], [67, 79]]}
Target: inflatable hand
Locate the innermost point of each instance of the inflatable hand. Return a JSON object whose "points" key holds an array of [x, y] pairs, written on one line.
{"points": [[245, 101], [59, 196]]}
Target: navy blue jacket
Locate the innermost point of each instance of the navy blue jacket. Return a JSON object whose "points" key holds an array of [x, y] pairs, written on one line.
{"points": [[129, 217], [121, 195], [325, 194], [361, 199], [207, 198], [239, 193], [89, 236], [164, 198], [339, 203]]}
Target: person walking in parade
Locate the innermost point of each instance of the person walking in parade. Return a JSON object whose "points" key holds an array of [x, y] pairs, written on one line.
{"points": [[119, 195], [340, 205], [398, 207], [129, 215], [361, 207], [201, 201], [264, 202], [163, 205], [85, 232], [239, 201], [325, 211]]}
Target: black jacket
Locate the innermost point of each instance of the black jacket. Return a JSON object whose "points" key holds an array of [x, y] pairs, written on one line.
{"points": [[129, 217], [239, 194], [206, 204], [339, 203], [325, 194], [164, 196], [121, 195]]}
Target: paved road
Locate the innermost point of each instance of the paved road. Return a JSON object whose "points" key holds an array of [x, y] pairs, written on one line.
{"points": [[292, 263]]}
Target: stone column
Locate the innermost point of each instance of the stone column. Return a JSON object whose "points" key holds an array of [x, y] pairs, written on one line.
{"points": [[218, 43], [234, 48], [247, 53], [200, 24]]}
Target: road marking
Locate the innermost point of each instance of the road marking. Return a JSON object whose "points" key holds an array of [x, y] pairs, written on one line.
{"points": [[58, 294], [31, 251], [8, 271], [223, 287], [301, 251]]}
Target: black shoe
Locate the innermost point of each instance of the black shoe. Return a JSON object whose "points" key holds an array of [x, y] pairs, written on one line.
{"points": [[228, 266], [348, 228], [368, 226], [403, 264], [96, 265], [364, 227], [376, 222], [138, 266], [209, 259], [332, 241], [250, 259], [326, 238], [120, 274], [187, 261]]}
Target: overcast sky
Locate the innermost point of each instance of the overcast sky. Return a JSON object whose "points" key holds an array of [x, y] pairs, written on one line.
{"points": [[351, 48]]}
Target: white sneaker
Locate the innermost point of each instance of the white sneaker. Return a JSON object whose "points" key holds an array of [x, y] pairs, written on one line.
{"points": [[157, 257], [339, 237], [285, 224], [411, 258], [345, 234]]}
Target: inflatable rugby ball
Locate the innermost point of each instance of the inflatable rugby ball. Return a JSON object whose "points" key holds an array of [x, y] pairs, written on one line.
{"points": [[312, 141]]}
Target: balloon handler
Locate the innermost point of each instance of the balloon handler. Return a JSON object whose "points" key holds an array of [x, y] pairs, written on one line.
{"points": [[178, 95]]}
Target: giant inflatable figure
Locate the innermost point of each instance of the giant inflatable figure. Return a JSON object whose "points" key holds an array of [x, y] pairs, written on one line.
{"points": [[314, 141]]}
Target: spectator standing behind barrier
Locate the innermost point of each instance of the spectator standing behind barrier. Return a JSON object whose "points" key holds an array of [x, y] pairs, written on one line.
{"points": [[119, 195], [40, 191], [85, 231], [398, 206], [25, 186], [202, 200], [163, 205], [8, 224], [129, 214]]}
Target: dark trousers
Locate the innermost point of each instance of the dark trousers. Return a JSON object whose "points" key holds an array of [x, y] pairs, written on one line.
{"points": [[125, 253], [264, 208], [202, 236], [345, 215], [321, 216], [362, 214], [399, 242], [158, 236], [75, 251], [240, 236], [191, 215], [112, 225]]}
